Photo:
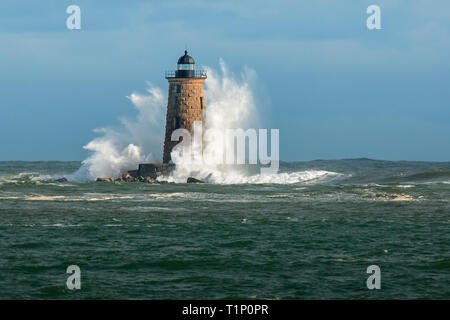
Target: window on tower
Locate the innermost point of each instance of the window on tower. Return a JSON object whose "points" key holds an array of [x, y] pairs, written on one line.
{"points": [[176, 123], [187, 66]]}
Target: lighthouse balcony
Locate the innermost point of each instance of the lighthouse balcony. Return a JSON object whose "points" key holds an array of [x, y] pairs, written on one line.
{"points": [[186, 74]]}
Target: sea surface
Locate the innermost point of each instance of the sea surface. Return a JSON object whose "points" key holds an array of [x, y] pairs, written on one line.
{"points": [[311, 238]]}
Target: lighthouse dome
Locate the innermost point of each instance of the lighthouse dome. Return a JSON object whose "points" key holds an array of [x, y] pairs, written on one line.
{"points": [[186, 59]]}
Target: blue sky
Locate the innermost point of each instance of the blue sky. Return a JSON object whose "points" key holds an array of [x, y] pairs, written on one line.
{"points": [[336, 89]]}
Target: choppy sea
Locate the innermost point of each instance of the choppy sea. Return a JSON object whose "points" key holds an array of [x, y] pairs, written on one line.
{"points": [[311, 233]]}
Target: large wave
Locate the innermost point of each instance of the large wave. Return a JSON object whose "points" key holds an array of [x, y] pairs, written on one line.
{"points": [[137, 140], [230, 104]]}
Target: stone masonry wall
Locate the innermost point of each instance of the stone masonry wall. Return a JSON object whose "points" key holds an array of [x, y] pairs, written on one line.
{"points": [[185, 105]]}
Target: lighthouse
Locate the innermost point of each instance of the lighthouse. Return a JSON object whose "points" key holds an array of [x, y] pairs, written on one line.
{"points": [[186, 102], [185, 105]]}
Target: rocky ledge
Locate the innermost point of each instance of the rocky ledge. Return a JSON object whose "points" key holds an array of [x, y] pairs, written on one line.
{"points": [[148, 173], [127, 177]]}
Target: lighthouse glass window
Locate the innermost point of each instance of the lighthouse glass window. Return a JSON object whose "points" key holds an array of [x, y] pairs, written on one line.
{"points": [[185, 66]]}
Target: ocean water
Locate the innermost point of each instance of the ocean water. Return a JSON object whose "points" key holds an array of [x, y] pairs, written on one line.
{"points": [[308, 233]]}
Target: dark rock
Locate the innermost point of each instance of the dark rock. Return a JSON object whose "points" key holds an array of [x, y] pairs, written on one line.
{"points": [[147, 172], [150, 180], [133, 173], [104, 180], [193, 180], [153, 170], [127, 177], [63, 179]]}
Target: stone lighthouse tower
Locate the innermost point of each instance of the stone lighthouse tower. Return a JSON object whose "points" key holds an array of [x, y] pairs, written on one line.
{"points": [[186, 102]]}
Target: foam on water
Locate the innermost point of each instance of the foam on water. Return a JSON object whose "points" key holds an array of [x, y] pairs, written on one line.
{"points": [[34, 177], [44, 198], [61, 225], [167, 195], [234, 177]]}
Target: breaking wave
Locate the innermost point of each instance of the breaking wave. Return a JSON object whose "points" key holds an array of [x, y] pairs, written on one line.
{"points": [[135, 141], [230, 176]]}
